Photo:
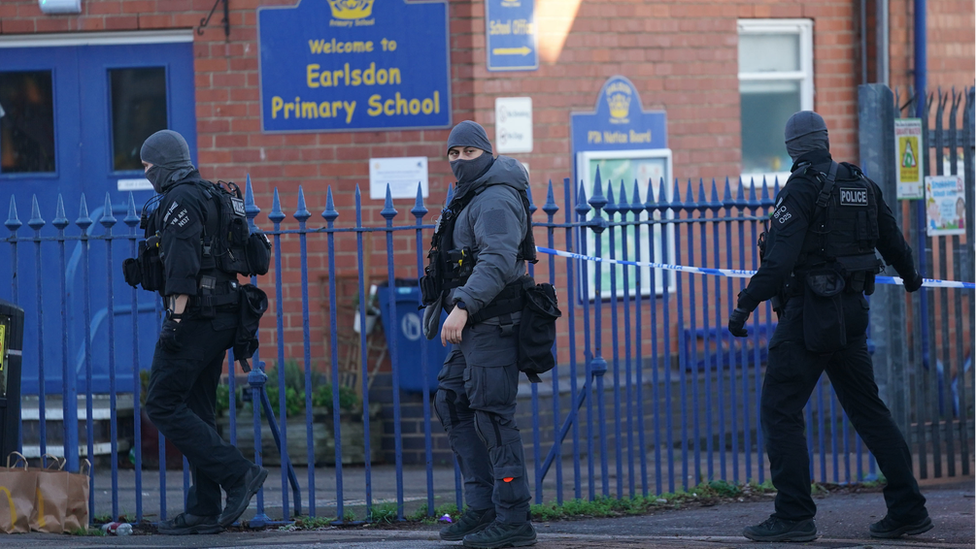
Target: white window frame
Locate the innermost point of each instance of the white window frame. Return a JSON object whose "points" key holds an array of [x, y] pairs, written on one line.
{"points": [[803, 28]]}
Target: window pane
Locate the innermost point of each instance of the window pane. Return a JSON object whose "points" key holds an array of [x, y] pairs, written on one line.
{"points": [[26, 122], [138, 111], [769, 52], [766, 106]]}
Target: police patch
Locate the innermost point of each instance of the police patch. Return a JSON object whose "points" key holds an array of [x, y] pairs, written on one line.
{"points": [[853, 197], [782, 214]]}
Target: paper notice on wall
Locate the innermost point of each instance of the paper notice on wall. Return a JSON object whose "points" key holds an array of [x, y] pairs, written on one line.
{"points": [[945, 205], [909, 154], [401, 174]]}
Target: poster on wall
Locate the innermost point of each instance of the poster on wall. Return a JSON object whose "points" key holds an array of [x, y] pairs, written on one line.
{"points": [[909, 155], [347, 65], [626, 174], [402, 176], [629, 146], [945, 205]]}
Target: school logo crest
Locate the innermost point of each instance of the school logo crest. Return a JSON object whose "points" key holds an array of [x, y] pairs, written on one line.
{"points": [[349, 10], [619, 95]]}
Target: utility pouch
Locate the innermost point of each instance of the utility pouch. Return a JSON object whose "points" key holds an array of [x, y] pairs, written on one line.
{"points": [[461, 262], [869, 284], [208, 306], [431, 285], [258, 251], [537, 331], [824, 330], [254, 303], [146, 268], [132, 272]]}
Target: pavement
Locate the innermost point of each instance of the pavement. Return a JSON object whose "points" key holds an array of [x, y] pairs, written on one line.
{"points": [[842, 520]]}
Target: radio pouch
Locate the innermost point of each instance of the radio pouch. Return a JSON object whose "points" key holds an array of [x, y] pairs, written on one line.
{"points": [[824, 330], [254, 303], [537, 331]]}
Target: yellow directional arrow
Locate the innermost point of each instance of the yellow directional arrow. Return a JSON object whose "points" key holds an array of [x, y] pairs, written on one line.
{"points": [[524, 50]]}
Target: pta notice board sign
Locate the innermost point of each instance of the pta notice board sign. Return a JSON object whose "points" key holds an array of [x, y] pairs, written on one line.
{"points": [[347, 65]]}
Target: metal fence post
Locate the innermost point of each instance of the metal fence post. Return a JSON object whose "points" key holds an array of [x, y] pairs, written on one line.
{"points": [[877, 150]]}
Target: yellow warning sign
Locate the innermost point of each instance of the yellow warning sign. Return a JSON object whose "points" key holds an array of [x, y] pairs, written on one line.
{"points": [[3, 340], [909, 162], [909, 153]]}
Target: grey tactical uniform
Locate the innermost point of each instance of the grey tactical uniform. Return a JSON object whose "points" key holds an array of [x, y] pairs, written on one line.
{"points": [[479, 381]]}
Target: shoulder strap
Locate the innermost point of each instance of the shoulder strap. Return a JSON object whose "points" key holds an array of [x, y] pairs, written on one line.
{"points": [[828, 186]]}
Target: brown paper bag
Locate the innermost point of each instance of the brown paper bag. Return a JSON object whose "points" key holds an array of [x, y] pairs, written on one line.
{"points": [[17, 488], [51, 497], [76, 512]]}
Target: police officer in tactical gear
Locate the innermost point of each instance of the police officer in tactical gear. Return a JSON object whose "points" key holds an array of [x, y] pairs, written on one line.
{"points": [[819, 262], [189, 355], [482, 235]]}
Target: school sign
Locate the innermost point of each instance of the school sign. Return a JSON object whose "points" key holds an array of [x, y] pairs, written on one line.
{"points": [[347, 65]]}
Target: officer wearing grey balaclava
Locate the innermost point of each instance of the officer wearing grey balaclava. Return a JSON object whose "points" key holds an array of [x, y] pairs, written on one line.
{"points": [[487, 225], [805, 132], [169, 155], [819, 262], [470, 134]]}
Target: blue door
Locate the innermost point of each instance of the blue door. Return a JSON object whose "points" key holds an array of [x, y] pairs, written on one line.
{"points": [[72, 121]]}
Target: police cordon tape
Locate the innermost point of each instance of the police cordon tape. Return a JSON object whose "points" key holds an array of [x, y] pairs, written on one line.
{"points": [[738, 273]]}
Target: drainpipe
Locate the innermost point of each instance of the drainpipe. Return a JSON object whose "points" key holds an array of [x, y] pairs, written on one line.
{"points": [[920, 64], [884, 42]]}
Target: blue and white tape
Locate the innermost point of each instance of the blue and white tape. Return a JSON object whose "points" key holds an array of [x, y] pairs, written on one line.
{"points": [[737, 273]]}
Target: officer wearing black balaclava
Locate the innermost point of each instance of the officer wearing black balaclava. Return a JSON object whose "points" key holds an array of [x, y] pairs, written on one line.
{"points": [[189, 355], [483, 234], [819, 262]]}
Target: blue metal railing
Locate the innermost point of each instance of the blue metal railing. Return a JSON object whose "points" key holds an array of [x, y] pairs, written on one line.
{"points": [[681, 406]]}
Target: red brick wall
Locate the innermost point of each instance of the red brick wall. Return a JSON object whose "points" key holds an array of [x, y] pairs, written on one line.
{"points": [[951, 43], [681, 56]]}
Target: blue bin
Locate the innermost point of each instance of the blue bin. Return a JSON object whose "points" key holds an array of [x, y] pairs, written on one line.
{"points": [[408, 328]]}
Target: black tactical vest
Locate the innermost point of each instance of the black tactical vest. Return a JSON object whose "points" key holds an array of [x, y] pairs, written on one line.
{"points": [[844, 227]]}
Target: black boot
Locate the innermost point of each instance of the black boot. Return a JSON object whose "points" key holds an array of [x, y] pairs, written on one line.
{"points": [[890, 528], [502, 535], [470, 522], [240, 494], [185, 523], [775, 529]]}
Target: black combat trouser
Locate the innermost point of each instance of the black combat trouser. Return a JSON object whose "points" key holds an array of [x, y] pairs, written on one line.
{"points": [[475, 402], [181, 400], [791, 375]]}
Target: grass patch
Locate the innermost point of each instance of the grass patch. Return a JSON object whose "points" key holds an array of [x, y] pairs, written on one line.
{"points": [[704, 494]]}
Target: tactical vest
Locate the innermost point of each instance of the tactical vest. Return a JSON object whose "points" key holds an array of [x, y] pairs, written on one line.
{"points": [[844, 227], [228, 248], [449, 267]]}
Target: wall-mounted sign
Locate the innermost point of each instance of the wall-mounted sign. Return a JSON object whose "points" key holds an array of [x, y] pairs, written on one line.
{"points": [[342, 65], [513, 124], [945, 205], [628, 146], [511, 35], [401, 174], [619, 121], [135, 184], [910, 156]]}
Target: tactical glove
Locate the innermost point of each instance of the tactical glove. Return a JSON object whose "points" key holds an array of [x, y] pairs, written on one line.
{"points": [[737, 322], [914, 284], [169, 335]]}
